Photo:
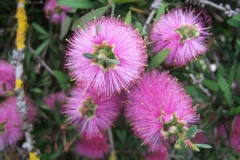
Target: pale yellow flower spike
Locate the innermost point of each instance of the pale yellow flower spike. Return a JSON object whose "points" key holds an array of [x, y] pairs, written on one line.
{"points": [[33, 156], [22, 25]]}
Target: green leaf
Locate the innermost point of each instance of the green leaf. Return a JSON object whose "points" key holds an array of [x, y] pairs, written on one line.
{"points": [[210, 85], [236, 98], [37, 90], [57, 115], [103, 1], [212, 125], [62, 78], [231, 75], [220, 71], [236, 17], [38, 28], [65, 27], [138, 25], [203, 146], [87, 17], [196, 92], [159, 58], [124, 1], [128, 17], [225, 88], [121, 135], [89, 55], [238, 72], [41, 47], [234, 23], [198, 65], [114, 61], [233, 111], [81, 4], [191, 131], [161, 11]]}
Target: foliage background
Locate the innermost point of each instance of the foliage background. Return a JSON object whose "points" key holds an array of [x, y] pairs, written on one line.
{"points": [[213, 80]]}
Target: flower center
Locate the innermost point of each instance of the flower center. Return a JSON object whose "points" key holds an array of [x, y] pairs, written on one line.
{"points": [[58, 9], [103, 56], [188, 32], [2, 127], [88, 108]]}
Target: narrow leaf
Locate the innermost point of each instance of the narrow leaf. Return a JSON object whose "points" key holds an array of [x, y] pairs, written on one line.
{"points": [[210, 85], [231, 75], [191, 131], [159, 58], [234, 23], [225, 88], [238, 72], [41, 47], [138, 25], [203, 146], [63, 79], [161, 11], [87, 17], [65, 27], [38, 28], [128, 17], [81, 4], [124, 1], [89, 55], [236, 17], [195, 91], [233, 111], [57, 115]]}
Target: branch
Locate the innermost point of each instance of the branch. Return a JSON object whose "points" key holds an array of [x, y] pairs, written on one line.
{"points": [[154, 6], [40, 60], [17, 59], [198, 82], [112, 148], [227, 9]]}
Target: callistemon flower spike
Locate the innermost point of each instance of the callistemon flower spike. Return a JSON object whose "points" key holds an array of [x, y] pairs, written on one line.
{"points": [[7, 77], [106, 56], [95, 147], [10, 123], [55, 98], [54, 12], [235, 137], [157, 107], [89, 114], [183, 33]]}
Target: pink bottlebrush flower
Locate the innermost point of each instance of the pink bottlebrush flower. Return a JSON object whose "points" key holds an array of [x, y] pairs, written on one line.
{"points": [[200, 138], [7, 76], [160, 154], [235, 137], [106, 56], [32, 110], [55, 98], [54, 12], [183, 33], [157, 100], [90, 114], [10, 123], [94, 148]]}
